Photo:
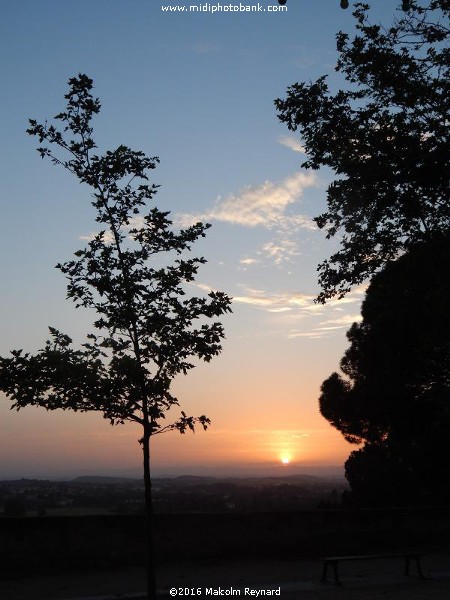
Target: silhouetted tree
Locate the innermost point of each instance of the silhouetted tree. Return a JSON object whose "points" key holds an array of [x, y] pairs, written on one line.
{"points": [[394, 396], [385, 136], [132, 273]]}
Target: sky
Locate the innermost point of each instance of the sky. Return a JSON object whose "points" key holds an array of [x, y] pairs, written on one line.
{"points": [[197, 90]]}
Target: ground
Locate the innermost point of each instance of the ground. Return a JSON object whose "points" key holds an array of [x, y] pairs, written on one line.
{"points": [[297, 579]]}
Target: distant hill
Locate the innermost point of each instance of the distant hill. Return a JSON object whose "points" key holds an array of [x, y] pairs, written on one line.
{"points": [[193, 480], [101, 494]]}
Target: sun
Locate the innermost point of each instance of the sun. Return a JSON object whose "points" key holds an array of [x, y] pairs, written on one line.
{"points": [[285, 460]]}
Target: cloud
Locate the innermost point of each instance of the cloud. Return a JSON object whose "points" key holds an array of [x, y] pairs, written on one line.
{"points": [[108, 237], [203, 286], [292, 143], [263, 205], [248, 262], [265, 302], [290, 308], [295, 315], [312, 335], [327, 327], [280, 251], [274, 303], [344, 321]]}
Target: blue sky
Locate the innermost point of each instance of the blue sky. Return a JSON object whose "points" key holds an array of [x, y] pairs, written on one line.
{"points": [[197, 90]]}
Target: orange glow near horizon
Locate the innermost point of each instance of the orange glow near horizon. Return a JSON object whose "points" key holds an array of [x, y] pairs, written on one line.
{"points": [[88, 443], [263, 446]]}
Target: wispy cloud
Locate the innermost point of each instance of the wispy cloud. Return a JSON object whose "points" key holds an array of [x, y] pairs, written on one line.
{"points": [[263, 205], [274, 302], [327, 327], [318, 332], [292, 308], [280, 302], [108, 237], [295, 315], [281, 250], [344, 321], [254, 301], [292, 143], [249, 261]]}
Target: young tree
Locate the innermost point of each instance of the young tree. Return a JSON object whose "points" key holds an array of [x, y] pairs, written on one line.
{"points": [[385, 136], [132, 273], [394, 395]]}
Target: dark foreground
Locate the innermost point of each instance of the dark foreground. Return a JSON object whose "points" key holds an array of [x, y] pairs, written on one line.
{"points": [[296, 579]]}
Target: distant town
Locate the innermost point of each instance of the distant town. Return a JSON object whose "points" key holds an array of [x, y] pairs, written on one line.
{"points": [[185, 494]]}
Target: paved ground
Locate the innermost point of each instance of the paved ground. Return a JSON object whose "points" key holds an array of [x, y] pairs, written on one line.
{"points": [[365, 580]]}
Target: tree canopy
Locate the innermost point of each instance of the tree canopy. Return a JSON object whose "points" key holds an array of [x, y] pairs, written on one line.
{"points": [[393, 395], [384, 135], [148, 328]]}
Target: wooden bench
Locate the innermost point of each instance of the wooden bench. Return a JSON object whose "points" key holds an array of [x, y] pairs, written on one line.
{"points": [[334, 561]]}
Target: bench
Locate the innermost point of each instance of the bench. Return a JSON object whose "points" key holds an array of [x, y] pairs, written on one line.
{"points": [[334, 561]]}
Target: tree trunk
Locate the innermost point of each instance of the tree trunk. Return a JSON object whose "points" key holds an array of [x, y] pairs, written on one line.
{"points": [[151, 578]]}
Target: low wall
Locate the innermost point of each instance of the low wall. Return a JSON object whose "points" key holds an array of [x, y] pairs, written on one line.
{"points": [[33, 544]]}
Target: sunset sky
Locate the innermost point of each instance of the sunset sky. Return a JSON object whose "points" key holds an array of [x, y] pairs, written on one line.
{"points": [[197, 90]]}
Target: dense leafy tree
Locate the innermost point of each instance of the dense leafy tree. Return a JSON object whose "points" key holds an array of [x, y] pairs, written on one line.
{"points": [[385, 136], [394, 394], [132, 274]]}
